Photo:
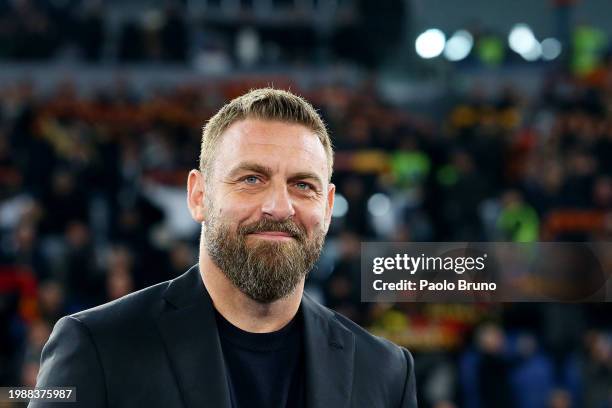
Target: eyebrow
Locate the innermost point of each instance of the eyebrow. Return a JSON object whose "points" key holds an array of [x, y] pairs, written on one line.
{"points": [[250, 166], [267, 171]]}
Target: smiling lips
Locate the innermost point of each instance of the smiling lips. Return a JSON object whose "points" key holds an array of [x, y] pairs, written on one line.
{"points": [[273, 235]]}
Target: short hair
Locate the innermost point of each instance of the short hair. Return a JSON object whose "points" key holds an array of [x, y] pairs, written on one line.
{"points": [[264, 104]]}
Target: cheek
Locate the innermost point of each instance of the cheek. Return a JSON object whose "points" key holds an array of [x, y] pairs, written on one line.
{"points": [[315, 219], [237, 211]]}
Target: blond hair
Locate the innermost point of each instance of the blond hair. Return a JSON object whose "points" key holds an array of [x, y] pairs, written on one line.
{"points": [[263, 104]]}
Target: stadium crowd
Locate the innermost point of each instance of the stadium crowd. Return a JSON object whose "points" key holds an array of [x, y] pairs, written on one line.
{"points": [[272, 33]]}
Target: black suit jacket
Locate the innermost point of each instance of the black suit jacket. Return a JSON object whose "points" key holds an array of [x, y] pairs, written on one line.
{"points": [[159, 347]]}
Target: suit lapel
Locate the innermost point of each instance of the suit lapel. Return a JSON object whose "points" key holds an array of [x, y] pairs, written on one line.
{"points": [[329, 358], [189, 331]]}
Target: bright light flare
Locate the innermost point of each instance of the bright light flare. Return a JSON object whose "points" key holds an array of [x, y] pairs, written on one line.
{"points": [[430, 43], [459, 46]]}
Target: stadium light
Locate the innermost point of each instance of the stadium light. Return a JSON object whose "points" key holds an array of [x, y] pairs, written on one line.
{"points": [[551, 49], [379, 204], [534, 53], [459, 46], [340, 206], [523, 42], [430, 43]]}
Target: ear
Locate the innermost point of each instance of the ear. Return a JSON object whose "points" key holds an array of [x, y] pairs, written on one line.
{"points": [[196, 195], [331, 194]]}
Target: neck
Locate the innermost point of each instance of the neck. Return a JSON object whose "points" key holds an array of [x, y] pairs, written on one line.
{"points": [[242, 311]]}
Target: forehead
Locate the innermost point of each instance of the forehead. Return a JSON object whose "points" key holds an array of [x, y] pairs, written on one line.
{"points": [[284, 144]]}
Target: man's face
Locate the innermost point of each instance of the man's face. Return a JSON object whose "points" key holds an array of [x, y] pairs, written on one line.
{"points": [[267, 206]]}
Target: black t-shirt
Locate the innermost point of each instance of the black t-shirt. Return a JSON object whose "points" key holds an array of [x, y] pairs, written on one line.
{"points": [[264, 370]]}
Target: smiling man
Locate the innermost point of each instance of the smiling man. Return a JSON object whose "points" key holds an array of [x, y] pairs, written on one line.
{"points": [[237, 330]]}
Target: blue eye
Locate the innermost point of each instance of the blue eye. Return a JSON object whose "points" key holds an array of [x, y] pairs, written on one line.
{"points": [[251, 180], [303, 186]]}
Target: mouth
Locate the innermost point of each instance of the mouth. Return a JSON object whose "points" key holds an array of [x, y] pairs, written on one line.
{"points": [[272, 235]]}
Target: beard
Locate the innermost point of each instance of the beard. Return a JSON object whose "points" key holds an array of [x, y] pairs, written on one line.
{"points": [[263, 270]]}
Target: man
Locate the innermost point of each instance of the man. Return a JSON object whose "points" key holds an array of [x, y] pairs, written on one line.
{"points": [[236, 330]]}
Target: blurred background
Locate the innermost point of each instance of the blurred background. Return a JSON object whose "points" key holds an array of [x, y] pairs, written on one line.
{"points": [[476, 120]]}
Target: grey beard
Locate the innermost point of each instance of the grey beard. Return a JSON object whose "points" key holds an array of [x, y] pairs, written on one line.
{"points": [[264, 271]]}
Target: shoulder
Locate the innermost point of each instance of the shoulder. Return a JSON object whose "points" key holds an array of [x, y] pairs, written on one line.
{"points": [[379, 354], [133, 309], [377, 345], [372, 350], [135, 317], [381, 366]]}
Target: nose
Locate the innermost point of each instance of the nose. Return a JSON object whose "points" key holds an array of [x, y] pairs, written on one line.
{"points": [[277, 203]]}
